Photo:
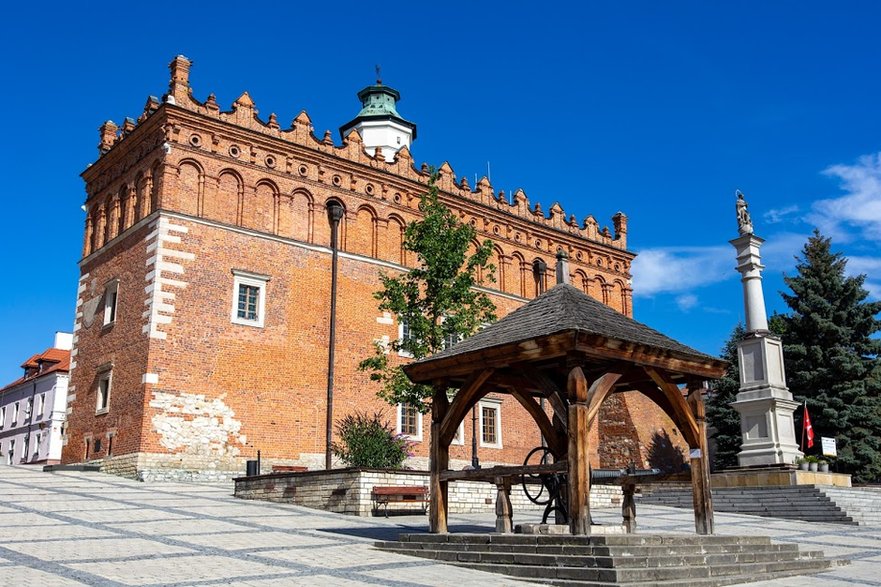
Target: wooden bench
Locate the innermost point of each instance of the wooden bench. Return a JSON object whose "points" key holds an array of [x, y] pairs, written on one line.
{"points": [[383, 496], [288, 469]]}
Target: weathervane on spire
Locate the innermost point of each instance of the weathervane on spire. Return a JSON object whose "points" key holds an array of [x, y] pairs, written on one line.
{"points": [[744, 222], [378, 75]]}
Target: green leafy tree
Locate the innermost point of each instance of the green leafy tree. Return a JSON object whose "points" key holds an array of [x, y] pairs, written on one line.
{"points": [[724, 420], [437, 299], [831, 357]]}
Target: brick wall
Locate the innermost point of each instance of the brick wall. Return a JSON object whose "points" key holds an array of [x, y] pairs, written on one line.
{"points": [[189, 195]]}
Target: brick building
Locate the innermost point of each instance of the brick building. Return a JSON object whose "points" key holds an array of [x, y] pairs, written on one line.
{"points": [[203, 308]]}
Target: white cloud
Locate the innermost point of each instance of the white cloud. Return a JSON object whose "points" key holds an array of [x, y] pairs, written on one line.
{"points": [[686, 302], [858, 212], [871, 268], [681, 269], [778, 215]]}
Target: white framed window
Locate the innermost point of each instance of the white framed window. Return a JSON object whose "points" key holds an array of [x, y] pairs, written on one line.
{"points": [[111, 294], [38, 439], [102, 399], [249, 298], [459, 438], [410, 422], [490, 414], [41, 406], [15, 408], [28, 407], [2, 416], [10, 456], [452, 339], [404, 333]]}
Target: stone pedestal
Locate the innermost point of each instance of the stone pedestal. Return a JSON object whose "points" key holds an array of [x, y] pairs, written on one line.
{"points": [[765, 404]]}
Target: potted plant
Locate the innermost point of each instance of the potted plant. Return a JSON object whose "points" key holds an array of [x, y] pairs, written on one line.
{"points": [[802, 463], [823, 466], [813, 463]]}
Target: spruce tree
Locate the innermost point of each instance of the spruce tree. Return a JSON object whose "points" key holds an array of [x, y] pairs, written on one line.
{"points": [[722, 418], [831, 359]]}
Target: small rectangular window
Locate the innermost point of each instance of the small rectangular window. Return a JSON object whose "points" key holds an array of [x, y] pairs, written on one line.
{"points": [[490, 424], [249, 298], [410, 421], [111, 294], [41, 406], [10, 457], [38, 439], [2, 416], [102, 401], [451, 339], [404, 334], [15, 408]]}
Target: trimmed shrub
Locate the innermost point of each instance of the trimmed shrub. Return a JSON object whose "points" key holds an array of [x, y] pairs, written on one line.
{"points": [[367, 440]]}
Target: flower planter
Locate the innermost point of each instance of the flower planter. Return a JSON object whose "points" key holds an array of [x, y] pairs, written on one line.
{"points": [[823, 468], [813, 467], [803, 466]]}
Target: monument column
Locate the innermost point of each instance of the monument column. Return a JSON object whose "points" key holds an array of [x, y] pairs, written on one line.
{"points": [[764, 402]]}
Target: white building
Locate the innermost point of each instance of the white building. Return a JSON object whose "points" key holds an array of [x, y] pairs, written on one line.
{"points": [[32, 409]]}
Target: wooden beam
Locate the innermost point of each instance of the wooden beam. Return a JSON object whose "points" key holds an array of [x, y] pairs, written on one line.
{"points": [[492, 473], [700, 467], [549, 389], [598, 392], [468, 395], [684, 419], [579, 446], [555, 443], [439, 461]]}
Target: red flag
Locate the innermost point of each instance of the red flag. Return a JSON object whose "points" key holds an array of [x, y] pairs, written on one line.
{"points": [[808, 430]]}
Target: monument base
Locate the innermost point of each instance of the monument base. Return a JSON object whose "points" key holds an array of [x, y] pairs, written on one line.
{"points": [[783, 476]]}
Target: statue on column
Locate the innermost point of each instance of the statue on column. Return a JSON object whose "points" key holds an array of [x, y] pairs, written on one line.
{"points": [[744, 222]]}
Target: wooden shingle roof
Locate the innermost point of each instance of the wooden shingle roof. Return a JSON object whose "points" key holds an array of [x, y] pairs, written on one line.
{"points": [[565, 309]]}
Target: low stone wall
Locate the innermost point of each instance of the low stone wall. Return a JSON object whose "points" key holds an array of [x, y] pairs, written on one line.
{"points": [[348, 491], [157, 467], [777, 477]]}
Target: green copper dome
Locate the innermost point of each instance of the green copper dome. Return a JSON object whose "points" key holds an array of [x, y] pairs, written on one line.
{"points": [[378, 102]]}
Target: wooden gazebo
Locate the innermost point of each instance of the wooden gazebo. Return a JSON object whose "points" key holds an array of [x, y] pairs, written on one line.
{"points": [[573, 351]]}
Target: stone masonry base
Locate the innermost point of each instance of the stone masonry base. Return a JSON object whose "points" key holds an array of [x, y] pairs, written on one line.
{"points": [[348, 491]]}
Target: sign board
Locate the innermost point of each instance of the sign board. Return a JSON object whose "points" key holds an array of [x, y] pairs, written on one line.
{"points": [[829, 447], [695, 453]]}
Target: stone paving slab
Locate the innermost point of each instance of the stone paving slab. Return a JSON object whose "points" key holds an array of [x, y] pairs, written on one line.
{"points": [[79, 528]]}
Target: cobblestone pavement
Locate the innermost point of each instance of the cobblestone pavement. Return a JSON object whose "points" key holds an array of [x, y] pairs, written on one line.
{"points": [[60, 529]]}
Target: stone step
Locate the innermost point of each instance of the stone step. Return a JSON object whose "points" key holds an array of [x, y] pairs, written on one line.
{"points": [[670, 575], [608, 562], [703, 582], [609, 539], [599, 550]]}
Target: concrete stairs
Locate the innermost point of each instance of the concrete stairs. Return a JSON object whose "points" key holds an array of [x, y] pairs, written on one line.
{"points": [[861, 504], [630, 559], [801, 502]]}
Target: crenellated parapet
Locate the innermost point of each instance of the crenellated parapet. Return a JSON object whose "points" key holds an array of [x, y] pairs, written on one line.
{"points": [[301, 134]]}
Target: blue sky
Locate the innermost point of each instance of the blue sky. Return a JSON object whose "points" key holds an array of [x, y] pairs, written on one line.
{"points": [[660, 110]]}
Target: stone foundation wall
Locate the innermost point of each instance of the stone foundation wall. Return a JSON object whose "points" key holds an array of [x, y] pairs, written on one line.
{"points": [[154, 467], [348, 491]]}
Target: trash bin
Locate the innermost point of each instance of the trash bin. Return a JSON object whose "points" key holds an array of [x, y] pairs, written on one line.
{"points": [[252, 468]]}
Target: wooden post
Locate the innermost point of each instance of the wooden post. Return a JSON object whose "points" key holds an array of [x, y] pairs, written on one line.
{"points": [[628, 508], [439, 460], [700, 466], [504, 512], [579, 464]]}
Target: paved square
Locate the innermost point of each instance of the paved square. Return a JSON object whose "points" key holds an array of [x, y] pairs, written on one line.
{"points": [[69, 529]]}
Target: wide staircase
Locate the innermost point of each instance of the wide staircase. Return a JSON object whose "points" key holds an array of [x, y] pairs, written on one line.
{"points": [[629, 559], [800, 502], [862, 504]]}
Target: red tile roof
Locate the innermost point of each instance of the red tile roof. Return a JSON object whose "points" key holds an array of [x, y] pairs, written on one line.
{"points": [[53, 360]]}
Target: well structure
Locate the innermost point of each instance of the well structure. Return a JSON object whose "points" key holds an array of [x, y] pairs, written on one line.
{"points": [[574, 352]]}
